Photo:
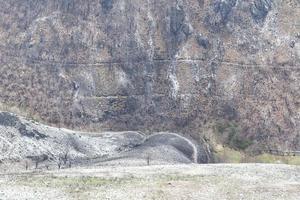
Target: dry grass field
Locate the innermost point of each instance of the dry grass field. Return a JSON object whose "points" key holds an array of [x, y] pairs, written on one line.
{"points": [[174, 182]]}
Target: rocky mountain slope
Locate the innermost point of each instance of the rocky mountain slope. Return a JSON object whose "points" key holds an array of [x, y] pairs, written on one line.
{"points": [[168, 65]]}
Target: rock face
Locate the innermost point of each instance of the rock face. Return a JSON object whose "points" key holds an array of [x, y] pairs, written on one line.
{"points": [[168, 65]]}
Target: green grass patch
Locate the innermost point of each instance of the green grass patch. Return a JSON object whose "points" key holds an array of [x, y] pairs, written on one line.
{"points": [[72, 182], [229, 155], [267, 158]]}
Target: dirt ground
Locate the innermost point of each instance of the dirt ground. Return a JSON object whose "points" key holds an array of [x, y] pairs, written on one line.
{"points": [[174, 182]]}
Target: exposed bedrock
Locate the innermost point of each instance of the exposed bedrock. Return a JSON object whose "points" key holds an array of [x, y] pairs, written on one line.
{"points": [[170, 65]]}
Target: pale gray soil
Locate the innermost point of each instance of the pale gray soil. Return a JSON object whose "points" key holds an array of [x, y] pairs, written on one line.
{"points": [[174, 182], [27, 143]]}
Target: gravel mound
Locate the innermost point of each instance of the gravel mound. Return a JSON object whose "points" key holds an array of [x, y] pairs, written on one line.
{"points": [[23, 140]]}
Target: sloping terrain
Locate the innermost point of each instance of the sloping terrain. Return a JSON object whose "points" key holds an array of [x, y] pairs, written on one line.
{"points": [[30, 144], [148, 65], [176, 182]]}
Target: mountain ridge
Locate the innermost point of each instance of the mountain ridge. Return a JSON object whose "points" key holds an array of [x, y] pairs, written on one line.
{"points": [[153, 66]]}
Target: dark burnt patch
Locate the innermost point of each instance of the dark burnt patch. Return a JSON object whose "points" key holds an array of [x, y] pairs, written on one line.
{"points": [[260, 9], [7, 119]]}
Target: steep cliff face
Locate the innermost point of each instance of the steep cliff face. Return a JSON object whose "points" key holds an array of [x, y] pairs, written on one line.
{"points": [[168, 65]]}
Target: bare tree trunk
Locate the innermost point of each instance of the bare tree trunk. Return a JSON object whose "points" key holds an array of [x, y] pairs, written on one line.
{"points": [[26, 165], [148, 159]]}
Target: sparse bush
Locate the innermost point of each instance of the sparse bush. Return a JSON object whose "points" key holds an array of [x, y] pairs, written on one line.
{"points": [[241, 143], [65, 156], [230, 134], [221, 127]]}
